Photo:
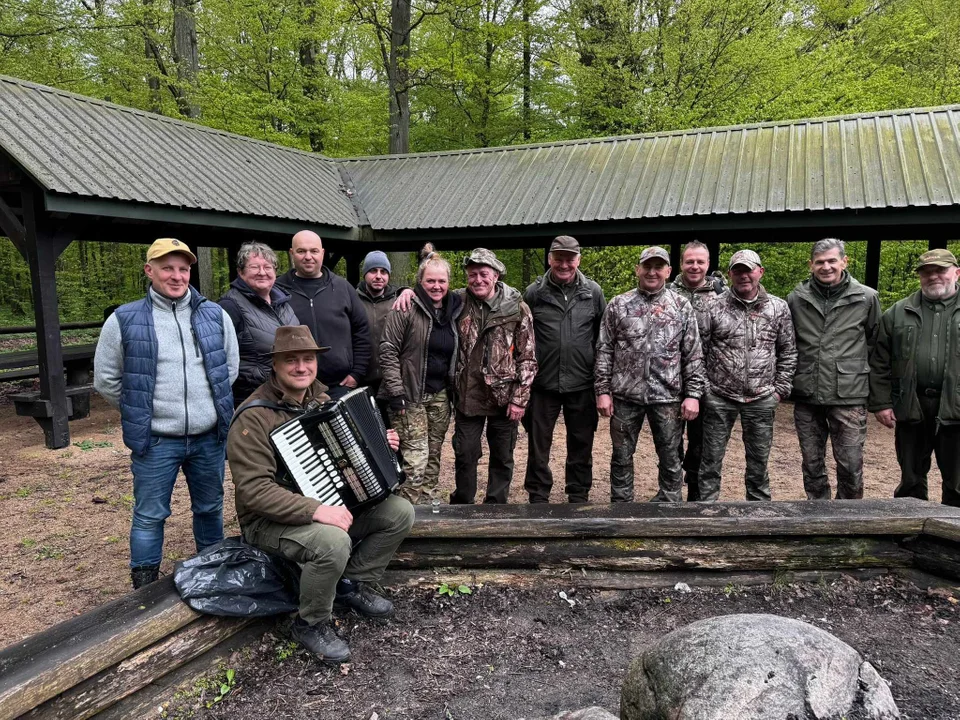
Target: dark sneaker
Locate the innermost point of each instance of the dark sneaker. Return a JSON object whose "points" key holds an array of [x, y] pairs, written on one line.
{"points": [[321, 640], [144, 575], [358, 596]]}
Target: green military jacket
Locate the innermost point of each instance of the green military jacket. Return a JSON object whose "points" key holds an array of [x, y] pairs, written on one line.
{"points": [[834, 347], [893, 370]]}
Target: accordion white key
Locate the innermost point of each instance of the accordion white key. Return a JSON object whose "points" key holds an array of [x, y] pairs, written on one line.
{"points": [[338, 454]]}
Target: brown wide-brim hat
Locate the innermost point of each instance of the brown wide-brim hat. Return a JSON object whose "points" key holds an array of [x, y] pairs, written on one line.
{"points": [[295, 338]]}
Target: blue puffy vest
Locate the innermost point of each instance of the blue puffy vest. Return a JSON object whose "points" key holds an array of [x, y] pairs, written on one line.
{"points": [[140, 366]]}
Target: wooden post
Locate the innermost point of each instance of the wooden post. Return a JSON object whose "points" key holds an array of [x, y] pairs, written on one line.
{"points": [[353, 260], [872, 275], [938, 244], [204, 269], [43, 248], [675, 255], [713, 246]]}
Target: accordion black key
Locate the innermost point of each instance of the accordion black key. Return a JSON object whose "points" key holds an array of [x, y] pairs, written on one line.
{"points": [[338, 454]]}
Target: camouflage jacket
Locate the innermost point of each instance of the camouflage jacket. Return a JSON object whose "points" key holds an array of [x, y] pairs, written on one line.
{"points": [[701, 298], [497, 359], [750, 349], [649, 349]]}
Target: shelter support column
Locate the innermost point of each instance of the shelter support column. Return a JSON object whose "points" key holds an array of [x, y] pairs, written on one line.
{"points": [[872, 275], [675, 255], [43, 246], [713, 247], [938, 244]]}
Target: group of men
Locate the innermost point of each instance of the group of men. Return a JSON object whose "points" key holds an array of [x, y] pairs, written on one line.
{"points": [[690, 354]]}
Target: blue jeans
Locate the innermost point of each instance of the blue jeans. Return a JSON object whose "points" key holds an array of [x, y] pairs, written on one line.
{"points": [[201, 457]]}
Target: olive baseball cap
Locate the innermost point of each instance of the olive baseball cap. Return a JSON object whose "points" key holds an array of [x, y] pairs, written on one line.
{"points": [[482, 256], [165, 246], [654, 253], [294, 338], [565, 243], [745, 257], [940, 258]]}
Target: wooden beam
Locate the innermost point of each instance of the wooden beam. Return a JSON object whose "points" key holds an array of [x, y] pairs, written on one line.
{"points": [[136, 672], [902, 516], [45, 665], [12, 227], [872, 275], [43, 249], [622, 579], [713, 246], [654, 554], [943, 528]]}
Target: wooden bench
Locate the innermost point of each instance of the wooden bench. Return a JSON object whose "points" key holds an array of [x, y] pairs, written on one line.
{"points": [[77, 364], [124, 659]]}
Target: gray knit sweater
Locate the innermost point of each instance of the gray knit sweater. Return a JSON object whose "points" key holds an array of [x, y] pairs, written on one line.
{"points": [[182, 399]]}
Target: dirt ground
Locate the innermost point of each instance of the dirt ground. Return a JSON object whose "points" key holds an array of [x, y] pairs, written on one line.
{"points": [[503, 653], [64, 539]]}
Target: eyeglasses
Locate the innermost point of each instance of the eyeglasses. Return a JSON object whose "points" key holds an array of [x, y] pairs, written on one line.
{"points": [[265, 269]]}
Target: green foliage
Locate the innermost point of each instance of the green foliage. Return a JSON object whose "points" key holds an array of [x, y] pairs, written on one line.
{"points": [[91, 444], [453, 590]]}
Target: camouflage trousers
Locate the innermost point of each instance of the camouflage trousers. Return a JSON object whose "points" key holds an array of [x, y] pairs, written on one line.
{"points": [[846, 425], [756, 421], [422, 429], [667, 430]]}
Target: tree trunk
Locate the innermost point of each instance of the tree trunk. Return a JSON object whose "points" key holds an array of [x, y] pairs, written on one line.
{"points": [[398, 76], [150, 29], [186, 56], [525, 113], [312, 89]]}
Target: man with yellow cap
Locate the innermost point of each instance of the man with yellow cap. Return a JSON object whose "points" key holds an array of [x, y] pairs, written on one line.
{"points": [[915, 378], [167, 362]]}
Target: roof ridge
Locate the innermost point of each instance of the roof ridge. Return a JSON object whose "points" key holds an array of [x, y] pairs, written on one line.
{"points": [[663, 133], [156, 116]]}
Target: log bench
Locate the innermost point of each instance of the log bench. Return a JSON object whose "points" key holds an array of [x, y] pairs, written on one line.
{"points": [[123, 659]]}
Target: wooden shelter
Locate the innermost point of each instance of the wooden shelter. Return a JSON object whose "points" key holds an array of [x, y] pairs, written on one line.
{"points": [[76, 168]]}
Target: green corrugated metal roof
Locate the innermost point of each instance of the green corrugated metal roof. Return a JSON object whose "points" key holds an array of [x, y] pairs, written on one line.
{"points": [[889, 159], [76, 147]]}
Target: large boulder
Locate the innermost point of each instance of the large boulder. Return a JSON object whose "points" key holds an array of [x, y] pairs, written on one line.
{"points": [[753, 667]]}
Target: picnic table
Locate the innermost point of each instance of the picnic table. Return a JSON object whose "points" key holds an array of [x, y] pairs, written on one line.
{"points": [[77, 364]]}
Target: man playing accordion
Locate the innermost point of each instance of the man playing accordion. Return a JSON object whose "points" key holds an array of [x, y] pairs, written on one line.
{"points": [[339, 554]]}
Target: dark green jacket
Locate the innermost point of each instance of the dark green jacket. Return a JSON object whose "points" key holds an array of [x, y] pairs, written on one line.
{"points": [[405, 345], [377, 309], [893, 369], [566, 334], [834, 348]]}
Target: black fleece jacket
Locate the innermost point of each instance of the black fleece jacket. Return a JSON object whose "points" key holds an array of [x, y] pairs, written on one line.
{"points": [[329, 306]]}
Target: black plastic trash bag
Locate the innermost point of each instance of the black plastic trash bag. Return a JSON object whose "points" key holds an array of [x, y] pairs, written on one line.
{"points": [[237, 580]]}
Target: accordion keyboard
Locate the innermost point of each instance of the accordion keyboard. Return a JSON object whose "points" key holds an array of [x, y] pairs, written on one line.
{"points": [[313, 468]]}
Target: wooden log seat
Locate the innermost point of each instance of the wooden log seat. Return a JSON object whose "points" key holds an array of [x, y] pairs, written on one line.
{"points": [[124, 658]]}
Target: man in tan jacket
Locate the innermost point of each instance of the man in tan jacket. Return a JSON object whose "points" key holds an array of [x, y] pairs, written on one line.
{"points": [[339, 553]]}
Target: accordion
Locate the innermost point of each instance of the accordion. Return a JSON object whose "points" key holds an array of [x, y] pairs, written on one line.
{"points": [[338, 454]]}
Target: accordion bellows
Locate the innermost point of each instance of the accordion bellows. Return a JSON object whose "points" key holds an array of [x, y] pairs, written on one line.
{"points": [[338, 454]]}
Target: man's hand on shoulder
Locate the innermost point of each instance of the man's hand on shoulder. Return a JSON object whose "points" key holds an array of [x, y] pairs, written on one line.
{"points": [[404, 300], [337, 516]]}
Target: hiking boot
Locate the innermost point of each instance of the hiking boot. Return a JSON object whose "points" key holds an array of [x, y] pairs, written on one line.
{"points": [[144, 575], [322, 640], [358, 596]]}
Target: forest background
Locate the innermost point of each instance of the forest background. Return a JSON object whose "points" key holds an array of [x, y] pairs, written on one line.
{"points": [[359, 77]]}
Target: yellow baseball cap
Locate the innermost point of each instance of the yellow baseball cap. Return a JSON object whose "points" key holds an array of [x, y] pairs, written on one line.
{"points": [[165, 246]]}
